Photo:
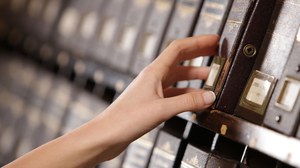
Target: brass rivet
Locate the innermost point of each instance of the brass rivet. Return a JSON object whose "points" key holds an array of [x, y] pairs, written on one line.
{"points": [[223, 129], [249, 50]]}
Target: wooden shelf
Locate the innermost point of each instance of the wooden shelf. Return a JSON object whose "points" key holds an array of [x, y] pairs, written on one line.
{"points": [[274, 144]]}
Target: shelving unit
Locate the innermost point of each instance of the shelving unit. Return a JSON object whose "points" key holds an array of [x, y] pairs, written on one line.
{"points": [[274, 144], [107, 81]]}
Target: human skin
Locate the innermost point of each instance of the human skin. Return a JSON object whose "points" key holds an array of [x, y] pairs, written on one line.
{"points": [[147, 102]]}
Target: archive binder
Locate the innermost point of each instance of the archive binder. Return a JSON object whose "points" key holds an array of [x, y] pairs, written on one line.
{"points": [[182, 24], [151, 38], [183, 21], [283, 111], [101, 43], [77, 24], [165, 151], [130, 31], [169, 144], [245, 57], [194, 157], [275, 50], [241, 41], [139, 152], [211, 21], [233, 30], [199, 147]]}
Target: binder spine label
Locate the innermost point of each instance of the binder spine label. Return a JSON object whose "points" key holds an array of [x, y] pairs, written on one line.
{"points": [[288, 94], [256, 96], [258, 91], [215, 69]]}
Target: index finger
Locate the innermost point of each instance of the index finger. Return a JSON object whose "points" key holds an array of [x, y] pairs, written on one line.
{"points": [[188, 48]]}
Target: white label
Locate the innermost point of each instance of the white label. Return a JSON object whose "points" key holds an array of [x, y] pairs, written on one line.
{"points": [[288, 95], [108, 30], [69, 22], [51, 11], [127, 38], [196, 61], [148, 45], [88, 25], [213, 74], [258, 91]]}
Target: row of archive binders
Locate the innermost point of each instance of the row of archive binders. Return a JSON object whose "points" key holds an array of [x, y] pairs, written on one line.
{"points": [[37, 106], [63, 62]]}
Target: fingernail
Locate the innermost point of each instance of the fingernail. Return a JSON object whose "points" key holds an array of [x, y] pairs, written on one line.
{"points": [[209, 97]]}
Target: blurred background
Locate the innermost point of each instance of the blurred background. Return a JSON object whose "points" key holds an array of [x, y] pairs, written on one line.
{"points": [[62, 62]]}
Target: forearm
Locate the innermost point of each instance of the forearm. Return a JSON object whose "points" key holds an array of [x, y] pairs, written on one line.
{"points": [[148, 101], [83, 147]]}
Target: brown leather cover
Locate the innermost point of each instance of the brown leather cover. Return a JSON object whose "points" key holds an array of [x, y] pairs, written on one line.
{"points": [[240, 64], [211, 21], [233, 30], [275, 48]]}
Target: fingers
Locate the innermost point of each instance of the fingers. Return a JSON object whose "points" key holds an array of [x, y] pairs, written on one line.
{"points": [[192, 101], [171, 92], [180, 73], [188, 48]]}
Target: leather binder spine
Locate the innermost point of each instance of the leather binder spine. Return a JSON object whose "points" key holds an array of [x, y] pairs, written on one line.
{"points": [[152, 36], [244, 59], [183, 21], [127, 38], [211, 21], [283, 111], [233, 30], [270, 62]]}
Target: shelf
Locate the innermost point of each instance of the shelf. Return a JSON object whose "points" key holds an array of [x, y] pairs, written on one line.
{"points": [[276, 145]]}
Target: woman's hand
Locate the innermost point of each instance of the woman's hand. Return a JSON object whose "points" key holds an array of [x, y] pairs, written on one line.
{"points": [[146, 103], [150, 99]]}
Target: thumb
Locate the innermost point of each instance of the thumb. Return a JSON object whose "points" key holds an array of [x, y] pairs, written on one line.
{"points": [[192, 101]]}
